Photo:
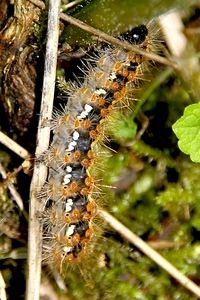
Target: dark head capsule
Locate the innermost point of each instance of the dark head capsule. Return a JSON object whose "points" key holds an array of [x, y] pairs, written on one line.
{"points": [[136, 36]]}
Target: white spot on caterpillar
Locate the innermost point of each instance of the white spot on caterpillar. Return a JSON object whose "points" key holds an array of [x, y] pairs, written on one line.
{"points": [[75, 135], [88, 108], [69, 169], [112, 76], [66, 181], [100, 92], [74, 143], [70, 230], [66, 249], [71, 146], [67, 178], [127, 64], [83, 115], [68, 205]]}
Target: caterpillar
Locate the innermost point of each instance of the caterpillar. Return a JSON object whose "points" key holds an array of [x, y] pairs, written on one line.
{"points": [[71, 193]]}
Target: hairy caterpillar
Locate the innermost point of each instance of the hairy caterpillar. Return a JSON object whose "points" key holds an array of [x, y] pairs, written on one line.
{"points": [[71, 193]]}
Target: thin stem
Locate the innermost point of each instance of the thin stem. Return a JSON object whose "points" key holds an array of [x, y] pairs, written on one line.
{"points": [[151, 253], [12, 189], [12, 145], [40, 170], [110, 39]]}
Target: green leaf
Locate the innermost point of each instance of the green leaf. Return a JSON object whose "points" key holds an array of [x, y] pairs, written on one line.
{"points": [[187, 129]]}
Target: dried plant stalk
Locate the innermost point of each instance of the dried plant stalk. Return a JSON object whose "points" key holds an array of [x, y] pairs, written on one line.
{"points": [[40, 172], [151, 253]]}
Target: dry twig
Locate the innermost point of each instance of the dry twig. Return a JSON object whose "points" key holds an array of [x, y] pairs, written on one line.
{"points": [[152, 254], [12, 145], [40, 172], [110, 39], [2, 288], [12, 189]]}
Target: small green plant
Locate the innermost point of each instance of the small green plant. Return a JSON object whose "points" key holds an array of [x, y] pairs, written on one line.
{"points": [[187, 130]]}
